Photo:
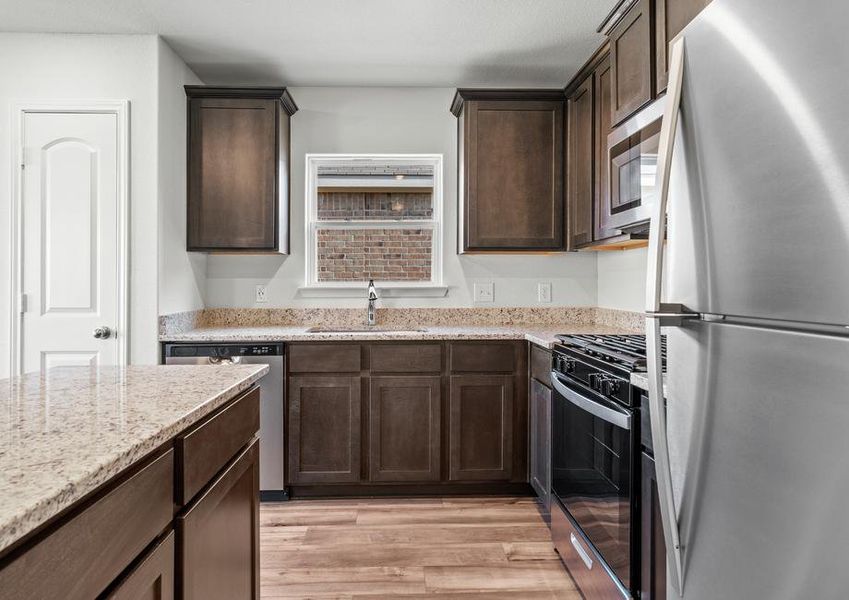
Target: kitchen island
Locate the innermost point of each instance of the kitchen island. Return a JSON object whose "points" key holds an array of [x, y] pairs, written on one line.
{"points": [[110, 477]]}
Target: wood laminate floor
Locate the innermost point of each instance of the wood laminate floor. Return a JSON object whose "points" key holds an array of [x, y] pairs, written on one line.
{"points": [[409, 549]]}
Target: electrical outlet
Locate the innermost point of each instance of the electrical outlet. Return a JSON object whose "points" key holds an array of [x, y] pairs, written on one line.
{"points": [[544, 291], [261, 293], [484, 292]]}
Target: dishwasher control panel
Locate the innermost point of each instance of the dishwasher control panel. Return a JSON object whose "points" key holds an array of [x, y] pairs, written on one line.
{"points": [[222, 350]]}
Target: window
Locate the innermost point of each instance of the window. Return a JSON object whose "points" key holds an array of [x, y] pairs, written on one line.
{"points": [[374, 217]]}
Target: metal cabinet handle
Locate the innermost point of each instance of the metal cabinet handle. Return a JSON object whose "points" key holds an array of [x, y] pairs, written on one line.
{"points": [[582, 552], [657, 314], [103, 333]]}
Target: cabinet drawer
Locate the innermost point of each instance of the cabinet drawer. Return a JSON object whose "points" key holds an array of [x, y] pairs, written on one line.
{"points": [[324, 358], [204, 450], [541, 365], [406, 358], [483, 358], [85, 554], [152, 578]]}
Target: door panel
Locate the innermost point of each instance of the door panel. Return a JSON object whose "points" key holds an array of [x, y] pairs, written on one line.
{"points": [[759, 222], [757, 435], [481, 427], [405, 425], [324, 429], [70, 238], [541, 442], [580, 170]]}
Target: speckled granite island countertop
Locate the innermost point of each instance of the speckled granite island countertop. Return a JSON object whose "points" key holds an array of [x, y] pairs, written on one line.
{"points": [[64, 433], [541, 335]]}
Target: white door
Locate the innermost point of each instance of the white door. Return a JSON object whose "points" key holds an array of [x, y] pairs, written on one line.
{"points": [[70, 236]]}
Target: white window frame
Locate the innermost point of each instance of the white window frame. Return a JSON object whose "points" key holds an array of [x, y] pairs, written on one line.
{"points": [[434, 286]]}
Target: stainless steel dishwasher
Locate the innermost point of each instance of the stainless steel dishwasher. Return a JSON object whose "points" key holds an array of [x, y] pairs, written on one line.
{"points": [[271, 399]]}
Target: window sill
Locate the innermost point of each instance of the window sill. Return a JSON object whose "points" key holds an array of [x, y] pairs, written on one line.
{"points": [[430, 291]]}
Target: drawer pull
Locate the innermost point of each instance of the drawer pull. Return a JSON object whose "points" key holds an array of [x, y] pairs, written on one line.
{"points": [[579, 548]]}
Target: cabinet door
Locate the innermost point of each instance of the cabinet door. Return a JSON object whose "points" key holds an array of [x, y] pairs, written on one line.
{"points": [[671, 17], [218, 537], [514, 175], [153, 578], [580, 169], [481, 427], [541, 441], [603, 80], [324, 429], [232, 197], [404, 428], [632, 61], [653, 545]]}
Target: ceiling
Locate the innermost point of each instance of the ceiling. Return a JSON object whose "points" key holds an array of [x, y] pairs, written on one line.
{"points": [[345, 42]]}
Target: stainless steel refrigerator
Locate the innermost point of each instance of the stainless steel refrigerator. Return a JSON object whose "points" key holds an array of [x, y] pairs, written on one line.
{"points": [[753, 176]]}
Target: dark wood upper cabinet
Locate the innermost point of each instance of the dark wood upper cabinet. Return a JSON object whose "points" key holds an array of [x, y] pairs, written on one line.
{"points": [[632, 61], [671, 17], [580, 168], [218, 553], [481, 427], [405, 425], [238, 169], [603, 77], [511, 151], [324, 429]]}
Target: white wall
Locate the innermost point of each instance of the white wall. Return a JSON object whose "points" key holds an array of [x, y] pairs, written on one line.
{"points": [[622, 279], [143, 70], [392, 120], [182, 276]]}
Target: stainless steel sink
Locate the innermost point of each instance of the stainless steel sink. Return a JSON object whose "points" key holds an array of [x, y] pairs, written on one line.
{"points": [[365, 329]]}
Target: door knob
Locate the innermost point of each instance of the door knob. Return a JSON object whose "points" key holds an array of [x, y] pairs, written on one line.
{"points": [[103, 332]]}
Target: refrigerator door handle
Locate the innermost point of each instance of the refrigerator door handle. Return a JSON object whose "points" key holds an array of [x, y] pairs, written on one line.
{"points": [[658, 314]]}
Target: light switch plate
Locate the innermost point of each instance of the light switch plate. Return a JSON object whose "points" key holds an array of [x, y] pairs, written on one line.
{"points": [[261, 293], [544, 291], [484, 292]]}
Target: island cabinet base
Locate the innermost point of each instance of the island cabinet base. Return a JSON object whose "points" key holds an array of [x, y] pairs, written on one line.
{"points": [[411, 417], [139, 536]]}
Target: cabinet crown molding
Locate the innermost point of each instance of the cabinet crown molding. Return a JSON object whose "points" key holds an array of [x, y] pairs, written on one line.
{"points": [[464, 94], [271, 93]]}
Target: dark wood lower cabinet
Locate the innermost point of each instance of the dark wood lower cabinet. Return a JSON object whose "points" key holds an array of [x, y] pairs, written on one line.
{"points": [[218, 550], [153, 578], [653, 545], [404, 428], [481, 427], [324, 429], [540, 442]]}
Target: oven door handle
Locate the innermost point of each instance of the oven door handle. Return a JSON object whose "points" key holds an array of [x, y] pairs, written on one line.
{"points": [[611, 414]]}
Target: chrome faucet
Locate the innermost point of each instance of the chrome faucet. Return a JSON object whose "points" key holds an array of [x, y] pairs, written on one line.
{"points": [[372, 298]]}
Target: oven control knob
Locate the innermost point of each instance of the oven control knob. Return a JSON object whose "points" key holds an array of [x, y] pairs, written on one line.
{"points": [[593, 379], [610, 386], [568, 365]]}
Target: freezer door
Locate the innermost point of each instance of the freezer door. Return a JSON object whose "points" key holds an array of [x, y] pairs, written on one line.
{"points": [[758, 441], [759, 188]]}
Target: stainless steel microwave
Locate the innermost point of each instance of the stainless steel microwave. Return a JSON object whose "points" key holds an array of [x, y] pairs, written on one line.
{"points": [[632, 163]]}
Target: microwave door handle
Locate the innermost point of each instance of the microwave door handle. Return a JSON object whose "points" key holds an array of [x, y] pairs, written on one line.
{"points": [[619, 417], [658, 314]]}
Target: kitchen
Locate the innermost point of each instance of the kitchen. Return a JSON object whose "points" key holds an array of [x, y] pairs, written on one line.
{"points": [[284, 317]]}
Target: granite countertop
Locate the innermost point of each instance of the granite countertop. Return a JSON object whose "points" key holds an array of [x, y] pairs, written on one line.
{"points": [[68, 431], [541, 335], [641, 380]]}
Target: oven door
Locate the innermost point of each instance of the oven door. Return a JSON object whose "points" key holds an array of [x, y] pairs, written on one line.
{"points": [[593, 448]]}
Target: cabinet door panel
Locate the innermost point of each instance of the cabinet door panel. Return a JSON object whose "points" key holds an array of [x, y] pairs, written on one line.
{"points": [[631, 52], [219, 535], [514, 174], [153, 578], [324, 429], [580, 170], [481, 427], [671, 17], [603, 110], [405, 425], [541, 441], [232, 200]]}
